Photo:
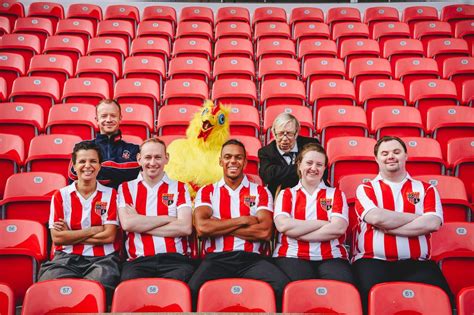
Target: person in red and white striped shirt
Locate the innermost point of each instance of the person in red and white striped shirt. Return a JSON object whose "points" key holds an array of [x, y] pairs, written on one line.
{"points": [[235, 217], [155, 211], [83, 223], [312, 219], [397, 215]]}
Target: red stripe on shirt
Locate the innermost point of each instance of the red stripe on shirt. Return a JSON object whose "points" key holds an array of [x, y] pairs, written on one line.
{"points": [[96, 220], [408, 207], [163, 210], [390, 241], [322, 214], [147, 240], [300, 214], [245, 211], [76, 219], [225, 212]]}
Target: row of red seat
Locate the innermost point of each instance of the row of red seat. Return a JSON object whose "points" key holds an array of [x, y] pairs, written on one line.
{"points": [[23, 248]]}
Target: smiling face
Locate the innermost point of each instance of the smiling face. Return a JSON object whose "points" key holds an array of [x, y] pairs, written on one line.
{"points": [[312, 167], [87, 165], [391, 158], [152, 158], [233, 162], [108, 118]]}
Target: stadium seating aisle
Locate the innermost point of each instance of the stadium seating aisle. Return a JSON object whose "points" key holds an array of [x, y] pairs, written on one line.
{"points": [[344, 72]]}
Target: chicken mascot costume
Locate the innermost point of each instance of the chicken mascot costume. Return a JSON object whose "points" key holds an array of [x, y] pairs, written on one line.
{"points": [[195, 159]]}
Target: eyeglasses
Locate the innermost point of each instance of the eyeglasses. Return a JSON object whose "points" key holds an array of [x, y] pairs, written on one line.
{"points": [[288, 134]]}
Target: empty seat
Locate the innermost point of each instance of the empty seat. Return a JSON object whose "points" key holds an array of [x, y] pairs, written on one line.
{"points": [[39, 27], [278, 68], [282, 92], [152, 295], [453, 248], [12, 154], [137, 119], [364, 69], [322, 68], [428, 30], [349, 30], [103, 67], [415, 14], [442, 49], [156, 29], [400, 121], [159, 13], [410, 69], [76, 27], [22, 249], [448, 122], [465, 301], [7, 300], [302, 113], [3, 90], [190, 68], [467, 97], [461, 161], [197, 13], [58, 67], [109, 46], [85, 90], [234, 47], [195, 29], [51, 153], [90, 12], [408, 297], [72, 119], [316, 48], [396, 49], [11, 66], [310, 30], [459, 70], [465, 30], [342, 14], [185, 92], [236, 295], [139, 91], [456, 207], [321, 296], [67, 45], [117, 28], [233, 68], [252, 145], [244, 120], [425, 156], [145, 67], [4, 26], [12, 10], [331, 92], [271, 29], [174, 120], [65, 296], [122, 12], [192, 47], [233, 29], [457, 12], [358, 48], [230, 14], [305, 14], [350, 155], [235, 91], [26, 45], [341, 120], [151, 47], [265, 14], [376, 15], [383, 31], [269, 47]]}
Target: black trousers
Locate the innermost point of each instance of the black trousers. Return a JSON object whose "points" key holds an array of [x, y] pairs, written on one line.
{"points": [[331, 269], [370, 272], [171, 265], [238, 264]]}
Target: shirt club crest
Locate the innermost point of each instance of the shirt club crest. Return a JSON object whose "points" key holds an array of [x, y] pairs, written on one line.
{"points": [[167, 199], [126, 155], [100, 208], [326, 203], [413, 197], [249, 201]]}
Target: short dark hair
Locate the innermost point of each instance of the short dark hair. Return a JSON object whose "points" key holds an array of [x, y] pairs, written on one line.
{"points": [[86, 145], [234, 142], [152, 140], [109, 101], [387, 139], [307, 148]]}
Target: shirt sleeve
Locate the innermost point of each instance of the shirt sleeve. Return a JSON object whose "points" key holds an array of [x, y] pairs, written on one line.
{"points": [[265, 199], [184, 199], [203, 197], [365, 200], [120, 197], [56, 209], [283, 203], [340, 207], [112, 217], [432, 203]]}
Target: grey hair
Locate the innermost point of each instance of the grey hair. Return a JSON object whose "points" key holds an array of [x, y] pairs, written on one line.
{"points": [[282, 119]]}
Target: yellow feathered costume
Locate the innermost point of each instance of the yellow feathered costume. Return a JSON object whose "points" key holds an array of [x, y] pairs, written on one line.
{"points": [[195, 160]]}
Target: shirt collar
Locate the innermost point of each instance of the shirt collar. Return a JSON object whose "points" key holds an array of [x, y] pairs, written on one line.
{"points": [[294, 149], [380, 178], [245, 183], [72, 187], [321, 185], [164, 179]]}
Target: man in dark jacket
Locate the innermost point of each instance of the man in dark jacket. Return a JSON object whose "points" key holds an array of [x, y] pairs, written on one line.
{"points": [[277, 167], [120, 157]]}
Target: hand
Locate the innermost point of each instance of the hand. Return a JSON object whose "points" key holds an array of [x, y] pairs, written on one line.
{"points": [[60, 225]]}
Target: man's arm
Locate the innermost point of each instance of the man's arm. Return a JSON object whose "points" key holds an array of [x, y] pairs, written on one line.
{"points": [[271, 171], [296, 228], [182, 226], [62, 235], [131, 221], [208, 226], [260, 231], [387, 219], [422, 225], [107, 236], [336, 227]]}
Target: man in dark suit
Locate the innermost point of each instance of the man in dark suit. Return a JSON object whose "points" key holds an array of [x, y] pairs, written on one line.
{"points": [[277, 167]]}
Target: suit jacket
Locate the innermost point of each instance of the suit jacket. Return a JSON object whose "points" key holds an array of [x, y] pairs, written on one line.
{"points": [[274, 170]]}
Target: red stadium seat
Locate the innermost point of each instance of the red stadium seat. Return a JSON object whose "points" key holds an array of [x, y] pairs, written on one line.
{"points": [[278, 68], [358, 48], [428, 30], [85, 90], [196, 13], [51, 153], [342, 14], [28, 195], [102, 67], [143, 67], [192, 47], [67, 45], [11, 66], [234, 68], [236, 295], [185, 92], [331, 92], [339, 121], [244, 120], [72, 119], [117, 28], [457, 12], [467, 97], [453, 248], [396, 49], [252, 145], [190, 68], [50, 10], [350, 155], [316, 48], [161, 29], [305, 14], [137, 119], [3, 90], [39, 90], [282, 92], [425, 156], [58, 67], [415, 14], [349, 30], [234, 47], [76, 27], [424, 94], [441, 49], [310, 30], [448, 122], [26, 45], [132, 139], [23, 119], [4, 25], [12, 154], [265, 14], [22, 249], [400, 121], [109, 46], [271, 30], [235, 92], [151, 47], [233, 29], [408, 297], [321, 296], [122, 12], [37, 26], [364, 69], [139, 91], [459, 70], [322, 68], [160, 13], [152, 295], [254, 179], [376, 15], [90, 12], [456, 207], [461, 161], [383, 31], [65, 296], [12, 10], [411, 69], [7, 300], [465, 30], [466, 301], [281, 48], [302, 113], [195, 29], [227, 14], [174, 120]]}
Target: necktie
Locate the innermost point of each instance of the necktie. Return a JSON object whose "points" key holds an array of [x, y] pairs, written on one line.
{"points": [[291, 155]]}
